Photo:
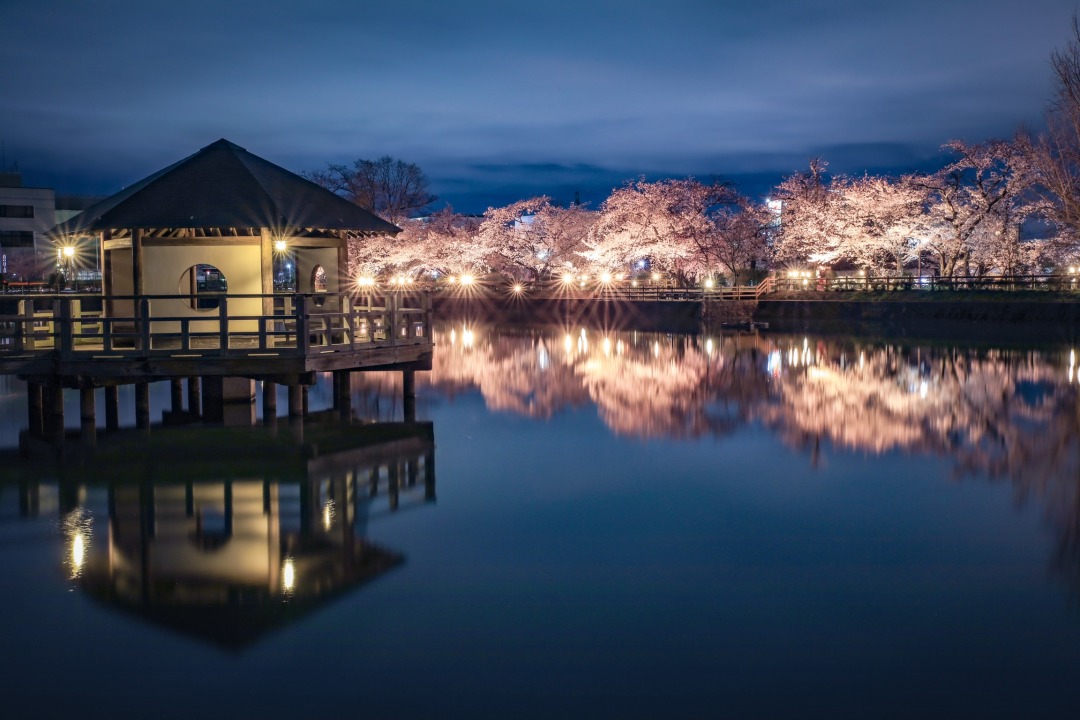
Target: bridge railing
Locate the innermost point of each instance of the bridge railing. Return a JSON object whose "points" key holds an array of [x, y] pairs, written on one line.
{"points": [[643, 292], [1005, 283], [648, 292], [213, 325]]}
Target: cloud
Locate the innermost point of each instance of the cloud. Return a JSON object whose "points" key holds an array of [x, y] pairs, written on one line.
{"points": [[583, 93]]}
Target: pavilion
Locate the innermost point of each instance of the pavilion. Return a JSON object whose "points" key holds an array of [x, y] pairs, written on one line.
{"points": [[222, 208], [188, 291]]}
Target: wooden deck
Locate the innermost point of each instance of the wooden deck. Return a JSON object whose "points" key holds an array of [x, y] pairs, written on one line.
{"points": [[92, 340]]}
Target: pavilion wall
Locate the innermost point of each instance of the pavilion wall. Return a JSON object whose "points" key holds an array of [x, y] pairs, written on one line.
{"points": [[307, 259], [240, 264]]}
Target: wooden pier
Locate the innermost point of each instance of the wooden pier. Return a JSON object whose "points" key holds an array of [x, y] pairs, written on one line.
{"points": [[82, 342]]}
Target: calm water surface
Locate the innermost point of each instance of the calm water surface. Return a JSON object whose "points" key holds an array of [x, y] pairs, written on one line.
{"points": [[583, 524]]}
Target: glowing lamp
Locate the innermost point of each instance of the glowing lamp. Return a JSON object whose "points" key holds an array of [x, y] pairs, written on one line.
{"points": [[288, 575], [280, 245]]}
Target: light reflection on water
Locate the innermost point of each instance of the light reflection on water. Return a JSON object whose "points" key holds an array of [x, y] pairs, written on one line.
{"points": [[981, 407], [992, 413], [641, 521]]}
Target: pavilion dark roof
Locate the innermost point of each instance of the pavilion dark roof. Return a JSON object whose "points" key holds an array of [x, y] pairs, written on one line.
{"points": [[225, 186]]}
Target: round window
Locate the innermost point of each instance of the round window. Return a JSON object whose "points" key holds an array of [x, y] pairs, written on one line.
{"points": [[202, 285]]}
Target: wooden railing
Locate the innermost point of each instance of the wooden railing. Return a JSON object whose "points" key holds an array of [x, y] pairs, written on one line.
{"points": [[779, 283], [1006, 283], [298, 325], [627, 292]]}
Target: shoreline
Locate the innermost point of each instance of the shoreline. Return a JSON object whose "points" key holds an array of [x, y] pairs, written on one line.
{"points": [[1011, 319]]}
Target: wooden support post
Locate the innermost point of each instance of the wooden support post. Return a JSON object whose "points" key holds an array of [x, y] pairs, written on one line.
{"points": [[136, 262], [269, 400], [213, 399], [35, 409], [408, 394], [176, 394], [63, 327], [106, 281], [344, 275], [373, 482], [112, 407], [54, 420], [393, 483], [303, 339], [87, 415], [144, 323], [296, 401], [223, 325], [194, 396], [304, 400], [142, 405], [429, 476], [266, 262], [343, 393]]}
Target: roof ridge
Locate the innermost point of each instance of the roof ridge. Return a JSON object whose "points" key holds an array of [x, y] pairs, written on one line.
{"points": [[224, 185]]}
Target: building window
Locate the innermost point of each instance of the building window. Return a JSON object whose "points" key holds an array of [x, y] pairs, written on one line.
{"points": [[17, 211], [16, 238]]}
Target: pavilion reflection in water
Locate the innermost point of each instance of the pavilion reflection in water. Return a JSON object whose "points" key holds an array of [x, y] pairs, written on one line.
{"points": [[227, 550]]}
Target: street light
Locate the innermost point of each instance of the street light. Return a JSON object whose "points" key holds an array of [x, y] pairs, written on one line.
{"points": [[65, 261]]}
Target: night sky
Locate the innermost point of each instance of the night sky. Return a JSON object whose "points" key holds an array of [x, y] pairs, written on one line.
{"points": [[500, 100]]}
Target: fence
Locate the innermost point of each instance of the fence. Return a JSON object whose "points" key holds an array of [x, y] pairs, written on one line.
{"points": [[296, 325], [1004, 283], [779, 283], [614, 291]]}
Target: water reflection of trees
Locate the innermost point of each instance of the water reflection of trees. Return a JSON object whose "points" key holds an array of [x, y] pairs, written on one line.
{"points": [[1002, 414], [642, 384], [997, 412]]}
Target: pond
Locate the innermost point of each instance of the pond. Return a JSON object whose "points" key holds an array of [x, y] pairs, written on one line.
{"points": [[581, 524]]}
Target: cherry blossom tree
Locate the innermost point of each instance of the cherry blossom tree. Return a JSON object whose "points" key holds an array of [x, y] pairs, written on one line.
{"points": [[739, 241], [444, 242], [667, 222], [883, 221], [534, 237], [983, 193], [809, 229]]}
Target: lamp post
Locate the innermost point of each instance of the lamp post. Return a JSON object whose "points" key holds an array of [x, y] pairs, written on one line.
{"points": [[69, 255]]}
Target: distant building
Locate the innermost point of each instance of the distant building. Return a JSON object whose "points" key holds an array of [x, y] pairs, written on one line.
{"points": [[26, 215]]}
